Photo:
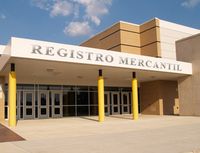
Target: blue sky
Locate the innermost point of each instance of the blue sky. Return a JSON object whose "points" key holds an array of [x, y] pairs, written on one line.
{"points": [[73, 21]]}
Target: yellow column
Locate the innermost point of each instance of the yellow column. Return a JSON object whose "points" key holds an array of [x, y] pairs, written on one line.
{"points": [[101, 97], [134, 97], [12, 96]]}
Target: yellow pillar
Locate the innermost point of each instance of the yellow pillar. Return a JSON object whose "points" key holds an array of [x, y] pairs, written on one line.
{"points": [[101, 97], [134, 97], [12, 97]]}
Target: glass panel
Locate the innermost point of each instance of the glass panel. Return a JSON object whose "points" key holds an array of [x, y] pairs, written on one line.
{"points": [[56, 110], [6, 112], [82, 98], [125, 101], [43, 111], [36, 112], [125, 109], [29, 111], [69, 111], [106, 99], [82, 110], [116, 109], [69, 98], [29, 99], [115, 99], [93, 110], [56, 99], [21, 112], [21, 98], [93, 98], [106, 109], [43, 99], [50, 111]]}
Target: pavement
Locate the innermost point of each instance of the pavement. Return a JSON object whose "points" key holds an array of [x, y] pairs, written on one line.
{"points": [[118, 134]]}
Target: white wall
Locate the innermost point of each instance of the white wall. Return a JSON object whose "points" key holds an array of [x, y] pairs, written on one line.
{"points": [[171, 32]]}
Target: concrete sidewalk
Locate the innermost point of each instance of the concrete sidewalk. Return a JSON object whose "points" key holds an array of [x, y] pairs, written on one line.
{"points": [[118, 134]]}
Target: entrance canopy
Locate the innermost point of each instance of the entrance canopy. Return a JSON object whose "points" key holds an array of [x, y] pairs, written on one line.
{"points": [[47, 62]]}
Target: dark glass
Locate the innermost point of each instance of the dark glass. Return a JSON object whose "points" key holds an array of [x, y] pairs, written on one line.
{"points": [[43, 99], [125, 100], [57, 99], [21, 112], [116, 109], [56, 110], [105, 99], [82, 98], [93, 98], [115, 99], [69, 111], [29, 111], [106, 109], [36, 112], [50, 111], [29, 99], [6, 112], [126, 109], [43, 111], [93, 110], [82, 111], [69, 98]]}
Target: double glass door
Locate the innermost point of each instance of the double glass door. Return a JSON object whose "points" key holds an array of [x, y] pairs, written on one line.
{"points": [[42, 104], [117, 103]]}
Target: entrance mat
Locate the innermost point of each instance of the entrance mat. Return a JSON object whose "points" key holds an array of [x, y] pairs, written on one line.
{"points": [[7, 135]]}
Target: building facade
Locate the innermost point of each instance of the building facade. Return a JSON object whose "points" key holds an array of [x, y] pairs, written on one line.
{"points": [[125, 69]]}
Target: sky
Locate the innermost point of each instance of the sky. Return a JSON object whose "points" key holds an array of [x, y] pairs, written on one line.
{"points": [[74, 21]]}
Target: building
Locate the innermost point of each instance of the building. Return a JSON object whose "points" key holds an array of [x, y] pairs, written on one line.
{"points": [[125, 69]]}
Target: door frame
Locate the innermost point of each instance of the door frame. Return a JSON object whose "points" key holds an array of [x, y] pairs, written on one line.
{"points": [[28, 107], [125, 105], [53, 106], [108, 102], [115, 105], [40, 116]]}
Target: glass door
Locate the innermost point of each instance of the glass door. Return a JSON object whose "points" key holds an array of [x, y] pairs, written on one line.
{"points": [[115, 100], [43, 104], [125, 103], [28, 100], [57, 101], [107, 103]]}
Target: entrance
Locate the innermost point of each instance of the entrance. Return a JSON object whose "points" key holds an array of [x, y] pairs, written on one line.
{"points": [[107, 103], [43, 104], [28, 111], [115, 101], [57, 104], [125, 102]]}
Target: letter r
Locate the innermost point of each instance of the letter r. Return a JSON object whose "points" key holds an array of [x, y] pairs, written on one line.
{"points": [[36, 49]]}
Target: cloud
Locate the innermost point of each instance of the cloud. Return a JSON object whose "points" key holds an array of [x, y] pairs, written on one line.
{"points": [[190, 3], [77, 29], [94, 9], [63, 8], [84, 14], [2, 16], [42, 4]]}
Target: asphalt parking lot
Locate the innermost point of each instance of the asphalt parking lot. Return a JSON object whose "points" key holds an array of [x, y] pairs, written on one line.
{"points": [[118, 134]]}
